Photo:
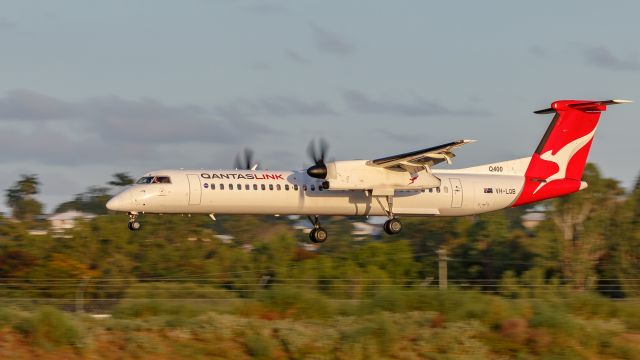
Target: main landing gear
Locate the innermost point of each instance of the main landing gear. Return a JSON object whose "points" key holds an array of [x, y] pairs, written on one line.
{"points": [[393, 225], [318, 234], [134, 225]]}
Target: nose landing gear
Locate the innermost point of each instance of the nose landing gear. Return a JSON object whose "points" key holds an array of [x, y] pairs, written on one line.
{"points": [[134, 225], [318, 234]]}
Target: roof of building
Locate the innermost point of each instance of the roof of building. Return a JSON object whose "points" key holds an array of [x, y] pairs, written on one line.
{"points": [[534, 216], [70, 215]]}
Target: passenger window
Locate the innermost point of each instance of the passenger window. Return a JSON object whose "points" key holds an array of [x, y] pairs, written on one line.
{"points": [[246, 187], [262, 186], [278, 187], [270, 186], [430, 190], [239, 187], [213, 186], [438, 190], [304, 187], [221, 186], [255, 186], [230, 186], [286, 187], [313, 188], [295, 187]]}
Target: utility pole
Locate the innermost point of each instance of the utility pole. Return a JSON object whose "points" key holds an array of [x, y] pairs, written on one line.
{"points": [[80, 295], [442, 268]]}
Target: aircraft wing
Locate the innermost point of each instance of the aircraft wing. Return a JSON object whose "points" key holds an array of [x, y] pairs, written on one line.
{"points": [[420, 158]]}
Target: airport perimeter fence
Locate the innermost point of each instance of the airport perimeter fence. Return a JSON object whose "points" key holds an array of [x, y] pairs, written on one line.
{"points": [[101, 295]]}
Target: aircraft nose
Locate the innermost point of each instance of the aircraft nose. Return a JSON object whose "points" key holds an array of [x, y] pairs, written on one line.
{"points": [[119, 203]]}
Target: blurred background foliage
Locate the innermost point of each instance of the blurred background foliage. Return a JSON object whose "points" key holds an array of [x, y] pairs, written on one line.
{"points": [[565, 288]]}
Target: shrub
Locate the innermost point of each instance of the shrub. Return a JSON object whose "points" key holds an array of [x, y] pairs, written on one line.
{"points": [[515, 329], [50, 327], [553, 317], [10, 316], [142, 309], [259, 346], [172, 290], [296, 303]]}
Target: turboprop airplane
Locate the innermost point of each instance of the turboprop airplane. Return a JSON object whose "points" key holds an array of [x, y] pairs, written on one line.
{"points": [[394, 186]]}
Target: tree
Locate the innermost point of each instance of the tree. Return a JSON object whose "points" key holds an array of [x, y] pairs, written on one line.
{"points": [[93, 201], [493, 246], [575, 235], [623, 250], [121, 179], [20, 198]]}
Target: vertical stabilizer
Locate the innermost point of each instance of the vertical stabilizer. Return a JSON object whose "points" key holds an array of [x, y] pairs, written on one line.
{"points": [[557, 164]]}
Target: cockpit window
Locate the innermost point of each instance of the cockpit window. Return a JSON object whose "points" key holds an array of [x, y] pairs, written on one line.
{"points": [[154, 180]]}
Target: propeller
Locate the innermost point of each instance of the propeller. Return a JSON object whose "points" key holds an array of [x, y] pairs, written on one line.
{"points": [[244, 160], [318, 153]]}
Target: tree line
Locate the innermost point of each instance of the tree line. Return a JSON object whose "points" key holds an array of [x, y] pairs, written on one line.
{"points": [[589, 240]]}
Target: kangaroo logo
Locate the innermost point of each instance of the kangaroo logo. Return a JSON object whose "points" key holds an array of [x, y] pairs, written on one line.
{"points": [[563, 156]]}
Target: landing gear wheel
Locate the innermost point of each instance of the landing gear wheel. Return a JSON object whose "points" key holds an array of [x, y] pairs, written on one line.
{"points": [[134, 226], [318, 235], [392, 226]]}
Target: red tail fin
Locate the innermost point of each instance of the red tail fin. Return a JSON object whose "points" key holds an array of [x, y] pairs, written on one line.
{"points": [[557, 164]]}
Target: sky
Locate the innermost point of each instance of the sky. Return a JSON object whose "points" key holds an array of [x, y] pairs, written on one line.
{"points": [[88, 88]]}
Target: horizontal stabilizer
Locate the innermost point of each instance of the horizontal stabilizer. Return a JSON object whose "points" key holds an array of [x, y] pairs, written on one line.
{"points": [[581, 105]]}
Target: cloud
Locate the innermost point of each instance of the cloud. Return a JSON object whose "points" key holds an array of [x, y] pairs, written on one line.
{"points": [[37, 128], [276, 106], [296, 58], [261, 66], [399, 138], [149, 121], [23, 104], [361, 103], [119, 120], [538, 51], [55, 148], [602, 57], [6, 24], [330, 43], [266, 8]]}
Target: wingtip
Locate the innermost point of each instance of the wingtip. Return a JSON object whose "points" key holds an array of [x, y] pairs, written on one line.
{"points": [[621, 101]]}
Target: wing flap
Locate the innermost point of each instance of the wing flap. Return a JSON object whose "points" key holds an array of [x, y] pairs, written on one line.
{"points": [[420, 158]]}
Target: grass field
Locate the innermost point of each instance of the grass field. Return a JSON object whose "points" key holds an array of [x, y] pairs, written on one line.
{"points": [[287, 323]]}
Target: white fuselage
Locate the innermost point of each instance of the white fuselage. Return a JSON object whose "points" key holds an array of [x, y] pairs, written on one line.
{"points": [[461, 192]]}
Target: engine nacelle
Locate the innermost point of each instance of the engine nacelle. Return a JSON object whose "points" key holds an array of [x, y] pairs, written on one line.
{"points": [[356, 174]]}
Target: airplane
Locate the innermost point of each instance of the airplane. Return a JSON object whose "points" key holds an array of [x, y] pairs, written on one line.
{"points": [[407, 184]]}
